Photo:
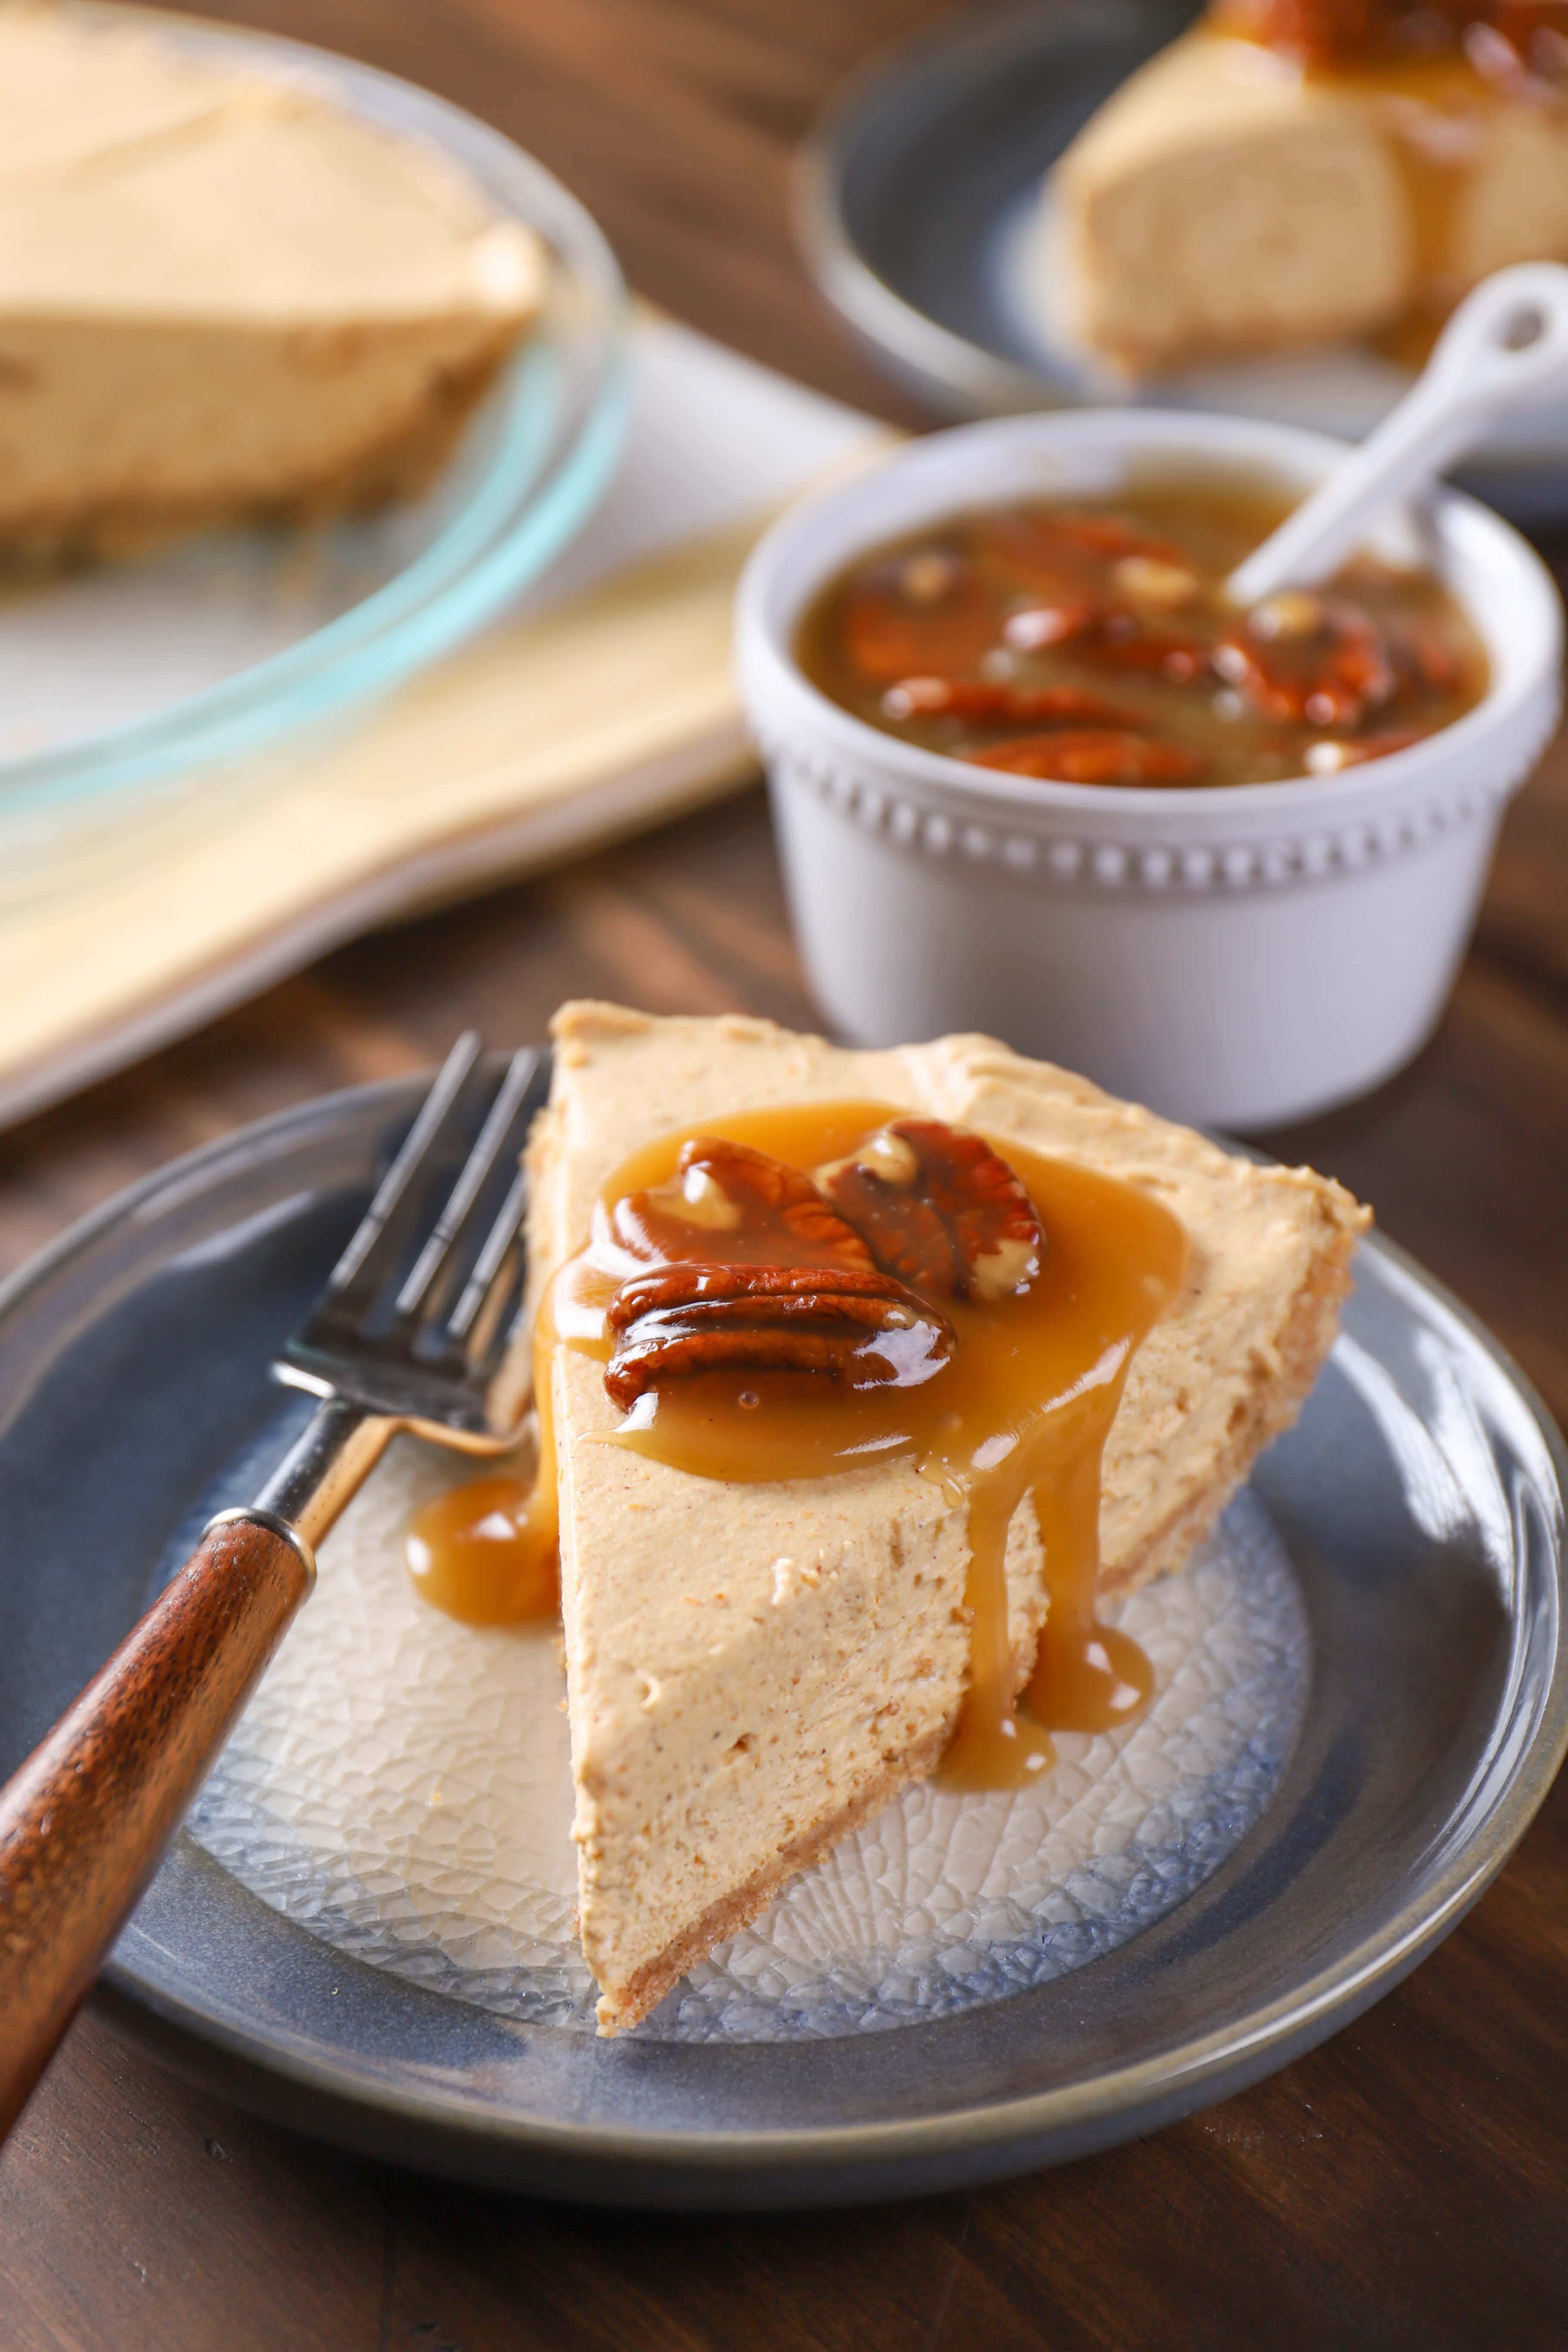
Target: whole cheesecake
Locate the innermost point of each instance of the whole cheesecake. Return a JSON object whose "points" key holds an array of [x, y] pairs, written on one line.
{"points": [[1298, 172], [754, 1662], [222, 298]]}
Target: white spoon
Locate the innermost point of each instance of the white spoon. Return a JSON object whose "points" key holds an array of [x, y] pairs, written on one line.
{"points": [[1505, 344]]}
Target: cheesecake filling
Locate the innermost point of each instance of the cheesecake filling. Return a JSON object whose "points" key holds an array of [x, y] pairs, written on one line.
{"points": [[784, 1295], [1298, 171]]}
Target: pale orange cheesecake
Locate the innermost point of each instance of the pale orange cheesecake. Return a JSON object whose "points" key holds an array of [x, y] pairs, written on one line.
{"points": [[1295, 172], [864, 1375], [221, 297]]}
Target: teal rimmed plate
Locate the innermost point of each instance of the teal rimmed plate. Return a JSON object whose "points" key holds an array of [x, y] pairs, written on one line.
{"points": [[140, 692]]}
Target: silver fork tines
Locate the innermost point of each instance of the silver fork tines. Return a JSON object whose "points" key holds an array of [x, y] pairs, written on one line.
{"points": [[499, 1239], [361, 1273], [511, 1109], [423, 1340], [85, 1821]]}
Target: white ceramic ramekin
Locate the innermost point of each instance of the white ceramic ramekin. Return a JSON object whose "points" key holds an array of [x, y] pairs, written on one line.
{"points": [[1239, 956]]}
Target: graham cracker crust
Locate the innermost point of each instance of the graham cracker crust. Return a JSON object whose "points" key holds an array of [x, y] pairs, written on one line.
{"points": [[623, 2007], [400, 468]]}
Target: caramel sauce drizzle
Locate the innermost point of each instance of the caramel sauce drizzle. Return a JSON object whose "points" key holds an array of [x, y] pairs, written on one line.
{"points": [[488, 1553], [1021, 1410]]}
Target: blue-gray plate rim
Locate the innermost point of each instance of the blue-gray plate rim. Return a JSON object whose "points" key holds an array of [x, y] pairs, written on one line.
{"points": [[1424, 1529]]}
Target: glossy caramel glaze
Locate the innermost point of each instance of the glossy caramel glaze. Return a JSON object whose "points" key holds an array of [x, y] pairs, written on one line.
{"points": [[1397, 36], [1020, 1411], [486, 1552], [478, 1552], [1095, 643]]}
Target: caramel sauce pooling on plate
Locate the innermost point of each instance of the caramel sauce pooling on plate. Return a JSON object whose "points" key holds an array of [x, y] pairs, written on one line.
{"points": [[488, 1553], [1021, 1408]]}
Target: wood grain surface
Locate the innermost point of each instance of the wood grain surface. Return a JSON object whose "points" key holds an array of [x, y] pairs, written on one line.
{"points": [[1403, 2186]]}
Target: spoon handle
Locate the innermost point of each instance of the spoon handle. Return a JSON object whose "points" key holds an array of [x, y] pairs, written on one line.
{"points": [[1507, 343]]}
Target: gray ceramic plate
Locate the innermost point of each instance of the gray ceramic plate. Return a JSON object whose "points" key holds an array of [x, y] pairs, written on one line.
{"points": [[919, 213], [1420, 1502]]}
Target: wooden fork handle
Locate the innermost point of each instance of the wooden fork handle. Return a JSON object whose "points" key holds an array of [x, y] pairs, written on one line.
{"points": [[84, 1822]]}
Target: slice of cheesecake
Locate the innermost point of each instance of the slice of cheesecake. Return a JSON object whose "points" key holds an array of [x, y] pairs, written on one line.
{"points": [[754, 1668], [1224, 201], [222, 298]]}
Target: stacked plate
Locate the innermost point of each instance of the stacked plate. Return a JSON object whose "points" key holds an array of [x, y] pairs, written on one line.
{"points": [[919, 211]]}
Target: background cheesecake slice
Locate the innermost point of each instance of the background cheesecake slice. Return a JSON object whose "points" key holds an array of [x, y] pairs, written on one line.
{"points": [[221, 299], [754, 1668], [1226, 200]]}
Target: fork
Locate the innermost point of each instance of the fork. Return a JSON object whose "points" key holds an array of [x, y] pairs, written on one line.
{"points": [[419, 1329]]}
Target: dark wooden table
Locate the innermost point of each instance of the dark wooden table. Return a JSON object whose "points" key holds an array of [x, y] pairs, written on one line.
{"points": [[1403, 2187]]}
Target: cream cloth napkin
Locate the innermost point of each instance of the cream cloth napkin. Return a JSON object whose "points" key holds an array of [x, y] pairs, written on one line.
{"points": [[601, 703]]}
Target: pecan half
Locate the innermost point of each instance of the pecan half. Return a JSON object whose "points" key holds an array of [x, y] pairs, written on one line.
{"points": [[768, 1212], [942, 1211], [1297, 656], [1113, 633], [1104, 584], [861, 1327], [986, 700], [1091, 755], [900, 621], [1062, 553]]}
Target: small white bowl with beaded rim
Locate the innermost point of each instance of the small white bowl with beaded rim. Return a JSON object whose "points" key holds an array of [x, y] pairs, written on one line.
{"points": [[1238, 955]]}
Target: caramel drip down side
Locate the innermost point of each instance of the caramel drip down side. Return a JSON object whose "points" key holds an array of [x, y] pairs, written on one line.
{"points": [[1018, 1413], [486, 1552], [1021, 1410], [1086, 1676]]}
